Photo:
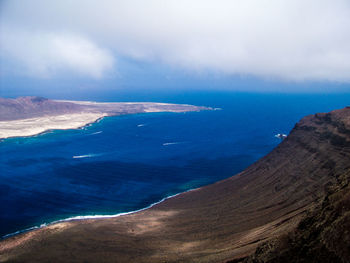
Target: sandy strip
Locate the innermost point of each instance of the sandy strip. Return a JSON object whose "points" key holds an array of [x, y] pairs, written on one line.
{"points": [[90, 112], [94, 103], [33, 126]]}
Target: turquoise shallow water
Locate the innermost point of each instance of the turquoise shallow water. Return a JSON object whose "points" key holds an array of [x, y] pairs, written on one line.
{"points": [[125, 163]]}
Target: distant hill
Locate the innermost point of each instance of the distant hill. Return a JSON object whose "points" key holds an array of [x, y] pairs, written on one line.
{"points": [[293, 205], [28, 116], [30, 107]]}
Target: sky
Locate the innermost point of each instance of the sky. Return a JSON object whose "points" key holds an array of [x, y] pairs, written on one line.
{"points": [[245, 45]]}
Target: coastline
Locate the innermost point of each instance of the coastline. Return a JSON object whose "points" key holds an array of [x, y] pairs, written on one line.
{"points": [[28, 127], [35, 126], [87, 217], [78, 114]]}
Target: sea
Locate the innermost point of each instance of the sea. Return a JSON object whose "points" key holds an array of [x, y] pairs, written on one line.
{"points": [[125, 163]]}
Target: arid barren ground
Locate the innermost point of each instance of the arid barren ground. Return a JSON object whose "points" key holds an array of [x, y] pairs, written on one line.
{"points": [[27, 116], [224, 221]]}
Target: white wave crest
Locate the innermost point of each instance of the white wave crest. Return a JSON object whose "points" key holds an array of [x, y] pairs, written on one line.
{"points": [[86, 155], [94, 133], [91, 216], [21, 231], [171, 143]]}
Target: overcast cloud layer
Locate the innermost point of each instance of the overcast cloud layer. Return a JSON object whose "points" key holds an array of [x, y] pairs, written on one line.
{"points": [[291, 40]]}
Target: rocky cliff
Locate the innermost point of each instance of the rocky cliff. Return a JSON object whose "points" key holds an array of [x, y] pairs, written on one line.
{"points": [[323, 235]]}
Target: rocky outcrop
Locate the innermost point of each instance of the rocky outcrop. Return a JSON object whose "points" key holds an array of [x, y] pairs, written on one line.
{"points": [[323, 235]]}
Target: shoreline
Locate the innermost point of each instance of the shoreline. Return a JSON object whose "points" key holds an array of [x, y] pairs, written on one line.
{"points": [[29, 128], [88, 112], [52, 130], [87, 217]]}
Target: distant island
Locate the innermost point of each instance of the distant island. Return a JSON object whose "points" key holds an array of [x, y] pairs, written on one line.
{"points": [[27, 116], [293, 205]]}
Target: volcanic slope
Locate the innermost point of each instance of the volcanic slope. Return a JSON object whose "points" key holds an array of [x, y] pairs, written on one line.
{"points": [[225, 221]]}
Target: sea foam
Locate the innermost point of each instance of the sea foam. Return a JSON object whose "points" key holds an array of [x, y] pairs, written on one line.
{"points": [[171, 143], [94, 133], [87, 155], [74, 218]]}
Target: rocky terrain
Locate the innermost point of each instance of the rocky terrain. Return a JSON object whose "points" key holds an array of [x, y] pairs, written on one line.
{"points": [[323, 235], [290, 206]]}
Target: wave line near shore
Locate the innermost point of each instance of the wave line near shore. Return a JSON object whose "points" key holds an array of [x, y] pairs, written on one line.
{"points": [[74, 218]]}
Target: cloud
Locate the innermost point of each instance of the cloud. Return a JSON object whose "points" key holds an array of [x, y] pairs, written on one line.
{"points": [[43, 54], [292, 40]]}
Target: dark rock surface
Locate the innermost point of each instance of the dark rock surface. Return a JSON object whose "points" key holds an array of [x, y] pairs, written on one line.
{"points": [[323, 235]]}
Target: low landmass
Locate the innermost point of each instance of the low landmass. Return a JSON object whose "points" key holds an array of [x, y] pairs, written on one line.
{"points": [[27, 116], [293, 205]]}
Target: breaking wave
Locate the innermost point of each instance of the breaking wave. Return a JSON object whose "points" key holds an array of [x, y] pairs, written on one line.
{"points": [[171, 143], [94, 133], [87, 155], [91, 216]]}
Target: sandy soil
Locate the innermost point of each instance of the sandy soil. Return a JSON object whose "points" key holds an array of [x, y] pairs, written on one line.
{"points": [[62, 115], [33, 126]]}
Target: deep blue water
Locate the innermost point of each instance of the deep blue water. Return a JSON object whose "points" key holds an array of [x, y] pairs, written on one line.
{"points": [[133, 161]]}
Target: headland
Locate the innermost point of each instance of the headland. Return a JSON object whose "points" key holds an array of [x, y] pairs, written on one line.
{"points": [[28, 116]]}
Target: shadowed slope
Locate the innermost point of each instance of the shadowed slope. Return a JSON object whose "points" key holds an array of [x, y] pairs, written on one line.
{"points": [[222, 221], [321, 237], [324, 234]]}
